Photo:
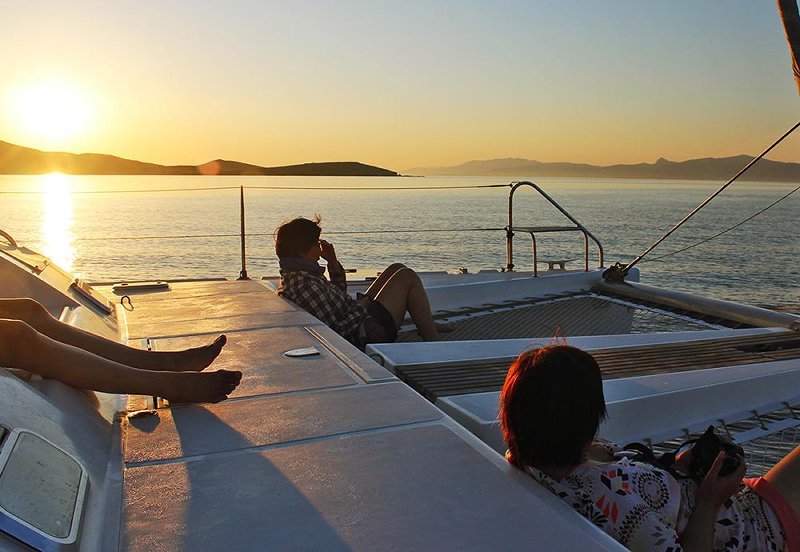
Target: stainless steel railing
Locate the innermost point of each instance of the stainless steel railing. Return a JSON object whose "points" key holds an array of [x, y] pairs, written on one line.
{"points": [[533, 230]]}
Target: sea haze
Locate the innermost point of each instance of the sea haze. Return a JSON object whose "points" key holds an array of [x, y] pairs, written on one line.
{"points": [[139, 236]]}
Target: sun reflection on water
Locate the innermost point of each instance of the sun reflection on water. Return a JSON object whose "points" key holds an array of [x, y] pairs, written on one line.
{"points": [[57, 220]]}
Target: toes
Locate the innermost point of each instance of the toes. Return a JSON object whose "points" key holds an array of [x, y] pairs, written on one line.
{"points": [[235, 377]]}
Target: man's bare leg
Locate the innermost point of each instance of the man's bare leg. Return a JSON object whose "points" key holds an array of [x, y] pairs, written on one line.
{"points": [[383, 277], [785, 477], [21, 346], [403, 292], [36, 316]]}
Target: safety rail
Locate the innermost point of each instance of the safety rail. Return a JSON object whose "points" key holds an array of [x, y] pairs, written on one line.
{"points": [[243, 234], [533, 230]]}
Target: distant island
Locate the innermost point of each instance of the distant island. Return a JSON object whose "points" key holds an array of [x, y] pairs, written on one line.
{"points": [[21, 160], [695, 169]]}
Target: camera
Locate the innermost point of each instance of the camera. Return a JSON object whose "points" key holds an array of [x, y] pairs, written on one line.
{"points": [[705, 451]]}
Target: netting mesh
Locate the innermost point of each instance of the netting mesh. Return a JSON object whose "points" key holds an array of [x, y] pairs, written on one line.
{"points": [[762, 453], [765, 452]]}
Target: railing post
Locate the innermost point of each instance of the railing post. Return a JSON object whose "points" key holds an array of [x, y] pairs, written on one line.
{"points": [[586, 253], [243, 273], [510, 232], [509, 249]]}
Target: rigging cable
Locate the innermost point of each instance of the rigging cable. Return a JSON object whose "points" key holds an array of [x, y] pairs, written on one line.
{"points": [[718, 234], [320, 188], [201, 189], [341, 232], [381, 188], [618, 271]]}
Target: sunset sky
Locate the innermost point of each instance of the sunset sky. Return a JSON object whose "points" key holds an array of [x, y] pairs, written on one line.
{"points": [[397, 84]]}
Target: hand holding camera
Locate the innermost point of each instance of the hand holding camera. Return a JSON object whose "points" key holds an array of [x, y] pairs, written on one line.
{"points": [[706, 449]]}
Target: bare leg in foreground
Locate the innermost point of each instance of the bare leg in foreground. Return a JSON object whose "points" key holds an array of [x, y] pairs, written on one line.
{"points": [[36, 316], [22, 346]]}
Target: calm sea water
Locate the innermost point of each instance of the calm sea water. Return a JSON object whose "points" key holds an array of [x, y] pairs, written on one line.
{"points": [[116, 235]]}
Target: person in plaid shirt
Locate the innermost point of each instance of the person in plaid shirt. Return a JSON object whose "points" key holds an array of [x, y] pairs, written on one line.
{"points": [[373, 318]]}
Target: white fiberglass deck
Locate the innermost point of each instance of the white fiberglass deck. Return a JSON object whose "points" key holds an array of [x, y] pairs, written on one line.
{"points": [[328, 452]]}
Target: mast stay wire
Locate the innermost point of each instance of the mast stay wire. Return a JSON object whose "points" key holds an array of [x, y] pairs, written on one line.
{"points": [[618, 272], [718, 234]]}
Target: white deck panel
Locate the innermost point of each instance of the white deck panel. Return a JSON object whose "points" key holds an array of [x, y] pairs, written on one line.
{"points": [[410, 488], [666, 415], [258, 354], [411, 354], [161, 310], [188, 289], [217, 325], [241, 424], [180, 311], [657, 406]]}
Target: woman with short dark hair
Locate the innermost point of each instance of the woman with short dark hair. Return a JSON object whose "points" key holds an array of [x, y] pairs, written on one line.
{"points": [[551, 407], [375, 317]]}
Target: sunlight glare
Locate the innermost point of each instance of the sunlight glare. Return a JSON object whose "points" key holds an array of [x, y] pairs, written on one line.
{"points": [[51, 110], [56, 229]]}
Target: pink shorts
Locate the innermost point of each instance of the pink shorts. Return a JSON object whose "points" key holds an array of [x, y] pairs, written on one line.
{"points": [[790, 523]]}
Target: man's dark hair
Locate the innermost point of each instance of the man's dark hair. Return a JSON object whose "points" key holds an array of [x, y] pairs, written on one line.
{"points": [[297, 236], [551, 406]]}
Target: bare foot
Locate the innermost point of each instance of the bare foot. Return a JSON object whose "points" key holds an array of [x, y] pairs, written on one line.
{"points": [[201, 387], [197, 359]]}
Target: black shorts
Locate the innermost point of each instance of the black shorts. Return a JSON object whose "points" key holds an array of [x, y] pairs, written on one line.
{"points": [[379, 327]]}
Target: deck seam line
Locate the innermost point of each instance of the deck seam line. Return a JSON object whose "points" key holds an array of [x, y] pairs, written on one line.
{"points": [[290, 443]]}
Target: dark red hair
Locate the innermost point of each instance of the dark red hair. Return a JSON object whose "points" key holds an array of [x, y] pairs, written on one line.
{"points": [[551, 406]]}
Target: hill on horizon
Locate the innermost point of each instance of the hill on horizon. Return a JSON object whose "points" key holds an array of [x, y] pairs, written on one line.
{"points": [[16, 159], [708, 168]]}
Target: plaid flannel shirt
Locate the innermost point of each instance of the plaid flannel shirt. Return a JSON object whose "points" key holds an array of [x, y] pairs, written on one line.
{"points": [[327, 300]]}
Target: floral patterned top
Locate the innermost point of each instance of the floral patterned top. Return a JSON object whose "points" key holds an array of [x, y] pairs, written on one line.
{"points": [[646, 509]]}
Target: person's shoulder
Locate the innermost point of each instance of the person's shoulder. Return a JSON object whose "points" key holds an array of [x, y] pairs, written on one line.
{"points": [[302, 277]]}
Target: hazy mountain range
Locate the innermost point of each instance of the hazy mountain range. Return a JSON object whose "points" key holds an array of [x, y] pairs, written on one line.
{"points": [[21, 160], [695, 169]]}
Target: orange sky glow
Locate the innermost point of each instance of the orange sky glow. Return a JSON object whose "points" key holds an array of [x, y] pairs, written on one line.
{"points": [[433, 84]]}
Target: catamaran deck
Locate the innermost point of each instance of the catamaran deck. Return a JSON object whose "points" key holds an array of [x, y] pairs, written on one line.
{"points": [[333, 451], [327, 452], [323, 452]]}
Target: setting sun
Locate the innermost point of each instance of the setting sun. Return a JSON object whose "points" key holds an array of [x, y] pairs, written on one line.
{"points": [[51, 111]]}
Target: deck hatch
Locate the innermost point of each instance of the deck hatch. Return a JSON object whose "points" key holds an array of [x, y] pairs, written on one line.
{"points": [[42, 491]]}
